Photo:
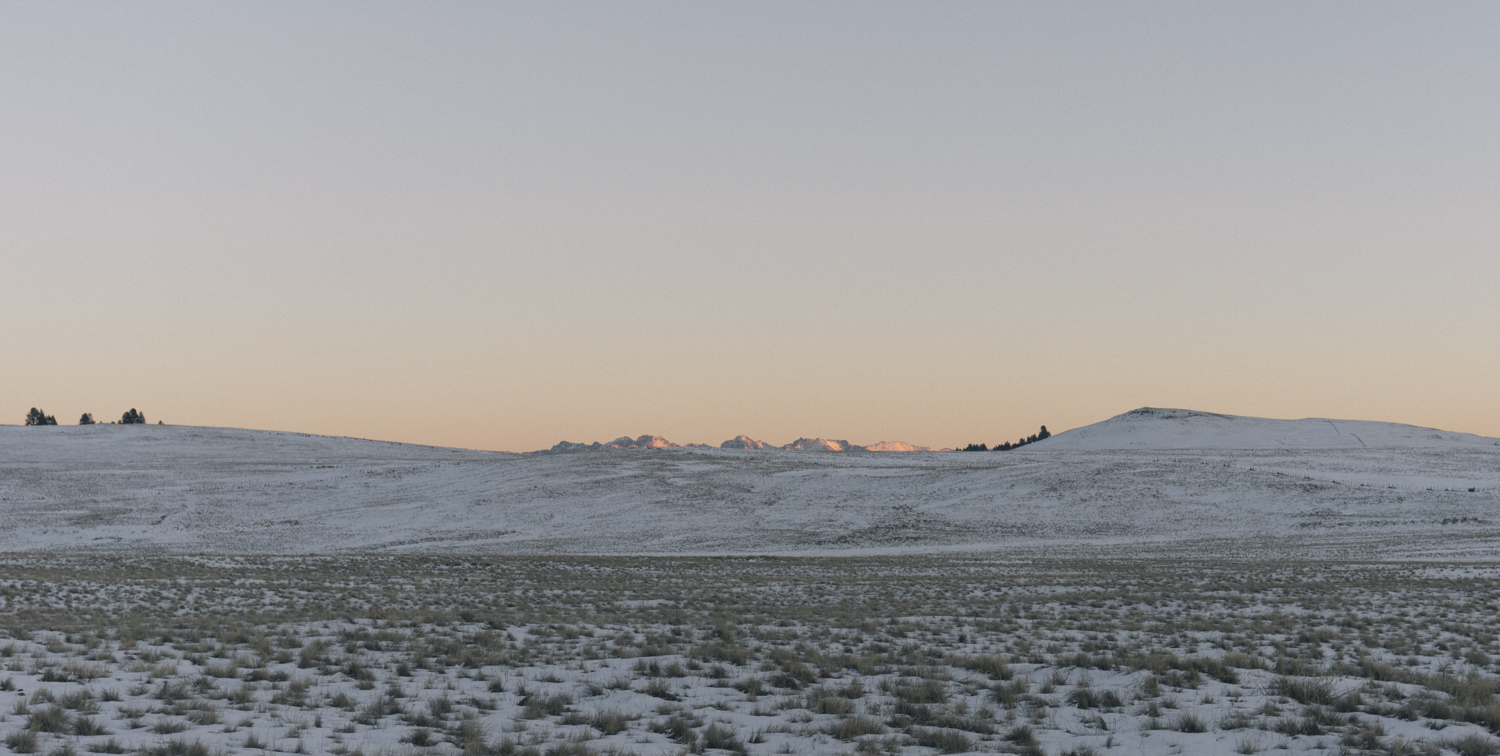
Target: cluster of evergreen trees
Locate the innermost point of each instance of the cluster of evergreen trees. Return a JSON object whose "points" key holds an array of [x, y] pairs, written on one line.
{"points": [[132, 416], [1007, 446], [38, 417]]}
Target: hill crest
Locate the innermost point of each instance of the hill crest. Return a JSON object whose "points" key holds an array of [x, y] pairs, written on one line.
{"points": [[1166, 428]]}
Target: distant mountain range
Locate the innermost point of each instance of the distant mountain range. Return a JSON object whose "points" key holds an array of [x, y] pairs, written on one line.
{"points": [[738, 442], [1144, 428], [623, 442]]}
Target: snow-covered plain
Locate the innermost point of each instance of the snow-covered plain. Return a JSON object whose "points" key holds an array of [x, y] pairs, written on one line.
{"points": [[1147, 482], [902, 656]]}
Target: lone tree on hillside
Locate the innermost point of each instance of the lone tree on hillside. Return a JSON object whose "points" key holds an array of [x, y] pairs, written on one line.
{"points": [[38, 417], [131, 417], [87, 419]]}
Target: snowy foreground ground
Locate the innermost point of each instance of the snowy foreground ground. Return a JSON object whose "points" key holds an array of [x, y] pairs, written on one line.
{"points": [[909, 655]]}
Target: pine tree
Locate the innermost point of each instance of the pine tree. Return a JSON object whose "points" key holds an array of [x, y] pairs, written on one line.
{"points": [[1033, 438], [38, 417], [132, 417], [87, 419]]}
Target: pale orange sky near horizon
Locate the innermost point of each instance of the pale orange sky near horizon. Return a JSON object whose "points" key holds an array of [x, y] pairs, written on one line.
{"points": [[501, 227]]}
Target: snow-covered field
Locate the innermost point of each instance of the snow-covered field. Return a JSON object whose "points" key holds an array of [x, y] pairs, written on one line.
{"points": [[904, 656], [1159, 481]]}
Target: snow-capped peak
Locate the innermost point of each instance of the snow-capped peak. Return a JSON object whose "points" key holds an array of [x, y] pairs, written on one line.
{"points": [[623, 442], [896, 446], [821, 444], [744, 442]]}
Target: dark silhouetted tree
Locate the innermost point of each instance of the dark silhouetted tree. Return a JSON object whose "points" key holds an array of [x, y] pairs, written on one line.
{"points": [[976, 447], [38, 417], [87, 419], [1033, 438], [132, 417]]}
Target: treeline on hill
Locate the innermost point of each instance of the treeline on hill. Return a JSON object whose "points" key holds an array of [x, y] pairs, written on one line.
{"points": [[132, 416], [1007, 446]]}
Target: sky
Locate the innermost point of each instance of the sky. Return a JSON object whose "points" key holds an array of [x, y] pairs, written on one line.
{"points": [[501, 225]]}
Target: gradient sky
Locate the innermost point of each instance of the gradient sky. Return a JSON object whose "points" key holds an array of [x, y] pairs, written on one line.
{"points": [[500, 225]]}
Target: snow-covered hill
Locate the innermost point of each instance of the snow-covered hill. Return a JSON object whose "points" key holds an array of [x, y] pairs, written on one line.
{"points": [[218, 490], [1153, 428]]}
